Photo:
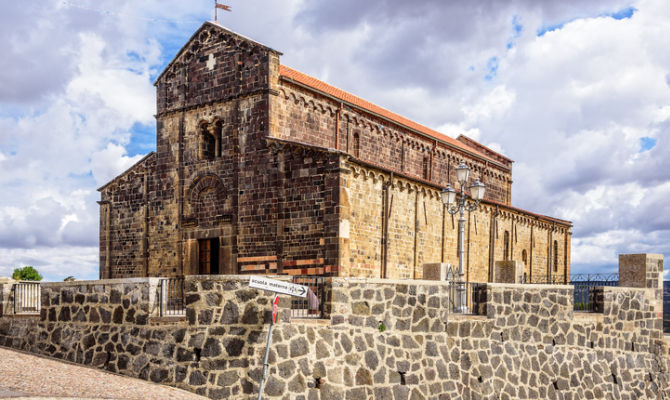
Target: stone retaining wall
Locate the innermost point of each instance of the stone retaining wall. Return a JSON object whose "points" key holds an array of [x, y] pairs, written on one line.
{"points": [[384, 340]]}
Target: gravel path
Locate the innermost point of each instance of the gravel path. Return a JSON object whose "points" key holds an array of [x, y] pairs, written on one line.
{"points": [[26, 376]]}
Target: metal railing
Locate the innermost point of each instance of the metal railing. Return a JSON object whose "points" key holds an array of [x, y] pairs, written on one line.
{"points": [[587, 297], [598, 279], [546, 280], [27, 298], [467, 298], [311, 306], [172, 297]]}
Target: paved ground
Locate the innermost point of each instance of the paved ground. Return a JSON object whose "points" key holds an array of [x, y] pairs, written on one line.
{"points": [[26, 376]]}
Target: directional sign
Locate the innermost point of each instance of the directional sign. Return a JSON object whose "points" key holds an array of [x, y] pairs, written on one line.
{"points": [[276, 286]]}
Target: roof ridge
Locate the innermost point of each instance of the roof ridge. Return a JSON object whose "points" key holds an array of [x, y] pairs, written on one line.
{"points": [[334, 91], [195, 34]]}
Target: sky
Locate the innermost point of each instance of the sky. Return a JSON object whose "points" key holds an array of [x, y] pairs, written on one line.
{"points": [[577, 93]]}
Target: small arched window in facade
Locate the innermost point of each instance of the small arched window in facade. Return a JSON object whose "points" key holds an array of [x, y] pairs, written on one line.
{"points": [[207, 143], [426, 168], [218, 138], [506, 243], [524, 257], [555, 256], [357, 145]]}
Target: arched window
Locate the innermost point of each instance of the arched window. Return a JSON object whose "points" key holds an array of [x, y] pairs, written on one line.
{"points": [[524, 257], [207, 143], [218, 138], [506, 242], [357, 145], [555, 256], [426, 168]]}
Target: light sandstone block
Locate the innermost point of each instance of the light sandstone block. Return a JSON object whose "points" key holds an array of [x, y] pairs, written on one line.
{"points": [[509, 271], [435, 271]]}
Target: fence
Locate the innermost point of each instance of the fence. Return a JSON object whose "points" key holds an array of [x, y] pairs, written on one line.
{"points": [[27, 298], [312, 306], [172, 297], [587, 296]]}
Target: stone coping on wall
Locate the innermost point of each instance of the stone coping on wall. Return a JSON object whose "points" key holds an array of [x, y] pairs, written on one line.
{"points": [[471, 317], [21, 316], [588, 316], [528, 286], [175, 320], [624, 289], [117, 281], [316, 322], [386, 281]]}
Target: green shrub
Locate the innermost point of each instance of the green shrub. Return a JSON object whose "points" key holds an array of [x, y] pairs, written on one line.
{"points": [[27, 273]]}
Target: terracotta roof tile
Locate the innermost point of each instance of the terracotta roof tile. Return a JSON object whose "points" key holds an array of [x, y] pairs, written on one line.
{"points": [[321, 86]]}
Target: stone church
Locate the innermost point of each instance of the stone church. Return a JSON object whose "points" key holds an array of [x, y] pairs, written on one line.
{"points": [[261, 169]]}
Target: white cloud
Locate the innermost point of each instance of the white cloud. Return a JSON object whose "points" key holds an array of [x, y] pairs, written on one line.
{"points": [[72, 136], [109, 162], [62, 261], [569, 106]]}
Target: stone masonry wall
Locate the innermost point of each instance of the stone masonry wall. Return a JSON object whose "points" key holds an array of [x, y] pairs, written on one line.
{"points": [[530, 344], [307, 117], [216, 177], [420, 231], [123, 213], [251, 175]]}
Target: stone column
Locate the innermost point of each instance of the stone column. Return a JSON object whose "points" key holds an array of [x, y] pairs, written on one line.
{"points": [[6, 305], [643, 271]]}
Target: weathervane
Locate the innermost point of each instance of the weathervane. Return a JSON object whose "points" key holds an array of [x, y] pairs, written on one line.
{"points": [[221, 6]]}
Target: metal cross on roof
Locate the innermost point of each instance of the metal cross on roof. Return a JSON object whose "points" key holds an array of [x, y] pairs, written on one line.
{"points": [[221, 6]]}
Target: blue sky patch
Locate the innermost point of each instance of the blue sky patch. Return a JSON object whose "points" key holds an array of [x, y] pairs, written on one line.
{"points": [[516, 25], [624, 13], [492, 68], [647, 143], [171, 41], [142, 139], [517, 28], [550, 28]]}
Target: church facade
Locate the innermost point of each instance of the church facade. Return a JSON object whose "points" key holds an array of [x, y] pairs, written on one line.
{"points": [[261, 169]]}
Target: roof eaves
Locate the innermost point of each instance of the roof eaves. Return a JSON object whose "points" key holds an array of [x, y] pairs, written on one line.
{"points": [[413, 178], [530, 213], [471, 152], [485, 147], [141, 160]]}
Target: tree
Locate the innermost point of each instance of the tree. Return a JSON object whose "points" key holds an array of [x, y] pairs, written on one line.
{"points": [[27, 273]]}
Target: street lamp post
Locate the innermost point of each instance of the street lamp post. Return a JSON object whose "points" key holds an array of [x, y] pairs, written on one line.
{"points": [[460, 202]]}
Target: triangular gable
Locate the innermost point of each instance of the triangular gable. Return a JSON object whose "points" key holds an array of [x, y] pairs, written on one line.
{"points": [[207, 29]]}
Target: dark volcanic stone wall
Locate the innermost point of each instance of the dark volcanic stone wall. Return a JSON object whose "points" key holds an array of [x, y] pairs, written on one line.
{"points": [[308, 117], [215, 176], [123, 212], [530, 344]]}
